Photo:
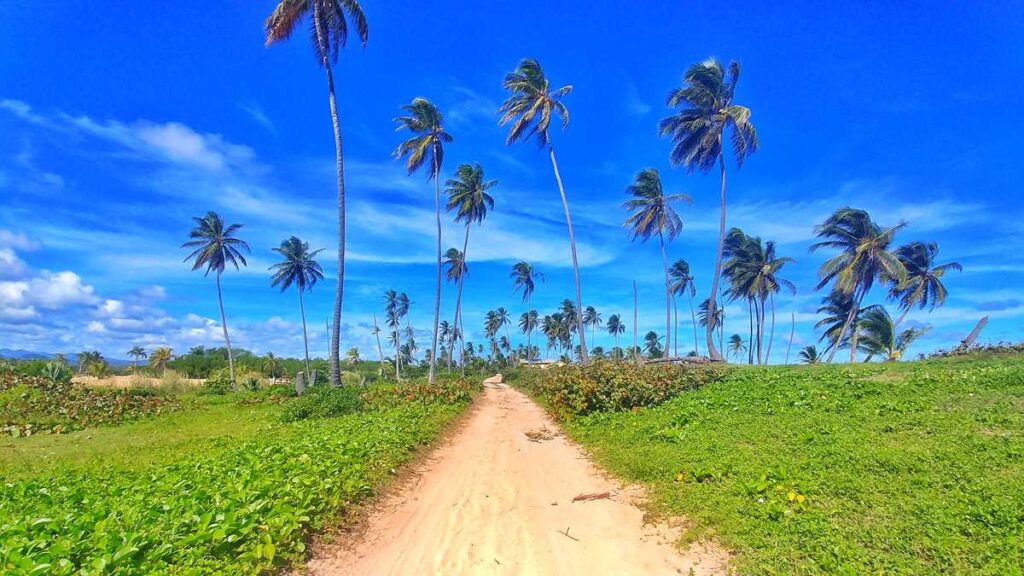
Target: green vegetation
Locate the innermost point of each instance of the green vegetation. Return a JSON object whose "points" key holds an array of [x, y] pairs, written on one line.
{"points": [[914, 468]]}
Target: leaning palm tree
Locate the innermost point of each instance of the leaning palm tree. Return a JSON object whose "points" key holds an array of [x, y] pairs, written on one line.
{"points": [[651, 214], [697, 131], [809, 355], [878, 335], [329, 32], [923, 287], [300, 268], [159, 358], [736, 345], [529, 109], [467, 195], [215, 246], [592, 319], [715, 319], [615, 327], [682, 283], [376, 334], [427, 147], [836, 308], [137, 352], [863, 257], [523, 276]]}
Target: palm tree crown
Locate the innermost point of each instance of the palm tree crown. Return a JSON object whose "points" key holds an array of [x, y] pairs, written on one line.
{"points": [[456, 265], [467, 194], [215, 245], [299, 266], [531, 103], [878, 335], [651, 212], [423, 119], [523, 275], [923, 287], [330, 26]]}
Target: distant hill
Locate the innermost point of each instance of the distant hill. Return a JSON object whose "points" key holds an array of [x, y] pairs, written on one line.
{"points": [[19, 354]]}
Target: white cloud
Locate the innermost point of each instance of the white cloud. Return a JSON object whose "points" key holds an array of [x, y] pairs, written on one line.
{"points": [[11, 267], [255, 111], [17, 241]]}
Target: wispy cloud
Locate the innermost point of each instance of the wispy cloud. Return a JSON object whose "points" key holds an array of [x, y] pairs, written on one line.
{"points": [[255, 111]]}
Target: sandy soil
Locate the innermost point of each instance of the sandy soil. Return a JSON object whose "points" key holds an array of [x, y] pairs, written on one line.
{"points": [[493, 501]]}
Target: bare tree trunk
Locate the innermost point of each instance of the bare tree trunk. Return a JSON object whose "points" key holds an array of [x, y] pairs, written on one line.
{"points": [[584, 358], [224, 327], [792, 332], [750, 336], [713, 353], [636, 354], [771, 332], [305, 338], [668, 297], [693, 319], [437, 286], [458, 304], [675, 326], [376, 332]]}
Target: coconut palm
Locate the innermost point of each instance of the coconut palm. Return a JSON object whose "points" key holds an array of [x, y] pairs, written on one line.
{"points": [[697, 130], [329, 31], [502, 319], [682, 283], [137, 352], [393, 320], [427, 147], [615, 327], [467, 195], [215, 246], [529, 108], [376, 334], [270, 365], [159, 358], [300, 268], [528, 322], [809, 355], [752, 270], [878, 335], [863, 258], [736, 345], [715, 319], [836, 307], [652, 345], [923, 287], [352, 356], [523, 277], [651, 214], [592, 319]]}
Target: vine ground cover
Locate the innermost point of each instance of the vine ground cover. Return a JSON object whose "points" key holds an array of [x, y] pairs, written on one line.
{"points": [[914, 468]]}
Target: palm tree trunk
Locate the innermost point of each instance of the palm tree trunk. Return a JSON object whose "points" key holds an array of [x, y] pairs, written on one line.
{"points": [[675, 326], [529, 329], [339, 289], [792, 332], [846, 327], [437, 286], [224, 327], [713, 353], [376, 332], [771, 332], [758, 327], [750, 336], [584, 358], [635, 327], [305, 337], [668, 297], [903, 316], [458, 304]]}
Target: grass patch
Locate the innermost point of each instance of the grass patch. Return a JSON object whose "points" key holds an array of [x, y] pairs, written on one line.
{"points": [[915, 468]]}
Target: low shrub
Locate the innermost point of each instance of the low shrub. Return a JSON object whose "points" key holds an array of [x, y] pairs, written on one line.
{"points": [[440, 392], [218, 384], [603, 386], [323, 402]]}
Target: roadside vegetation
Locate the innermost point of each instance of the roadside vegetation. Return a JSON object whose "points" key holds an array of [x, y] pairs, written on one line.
{"points": [[897, 468]]}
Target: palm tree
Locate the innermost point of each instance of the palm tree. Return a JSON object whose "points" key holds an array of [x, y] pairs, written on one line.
{"points": [[393, 320], [652, 345], [716, 319], [270, 365], [137, 352], [736, 345], [923, 287], [523, 276], [427, 147], [502, 319], [809, 355], [444, 334], [159, 358], [300, 268], [529, 109], [376, 334], [651, 214], [352, 356], [215, 246], [682, 283], [592, 319], [863, 257], [528, 322], [99, 370], [615, 327], [467, 195], [836, 307], [697, 130], [878, 336], [329, 32]]}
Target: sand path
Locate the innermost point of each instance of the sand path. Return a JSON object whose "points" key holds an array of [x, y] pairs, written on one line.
{"points": [[492, 501]]}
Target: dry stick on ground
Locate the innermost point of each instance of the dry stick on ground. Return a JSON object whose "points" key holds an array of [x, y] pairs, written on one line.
{"points": [[566, 534], [593, 496]]}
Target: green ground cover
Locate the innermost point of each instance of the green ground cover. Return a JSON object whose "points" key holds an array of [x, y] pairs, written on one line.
{"points": [[913, 468]]}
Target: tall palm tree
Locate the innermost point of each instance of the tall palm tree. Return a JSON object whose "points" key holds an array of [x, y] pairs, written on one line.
{"points": [[615, 327], [651, 214], [923, 287], [467, 195], [592, 319], [682, 283], [697, 131], [137, 352], [300, 268], [329, 32], [528, 322], [809, 355], [523, 276], [376, 334], [529, 108], [502, 319], [160, 357], [715, 319], [753, 273], [736, 345], [863, 257], [215, 246], [393, 320], [878, 335], [427, 147]]}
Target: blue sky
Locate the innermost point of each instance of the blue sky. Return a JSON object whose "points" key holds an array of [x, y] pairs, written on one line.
{"points": [[118, 126]]}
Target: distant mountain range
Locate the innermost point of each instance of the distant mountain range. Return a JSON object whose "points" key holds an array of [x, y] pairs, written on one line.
{"points": [[71, 357]]}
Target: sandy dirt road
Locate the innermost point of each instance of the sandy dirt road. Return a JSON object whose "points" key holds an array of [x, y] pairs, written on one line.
{"points": [[493, 501]]}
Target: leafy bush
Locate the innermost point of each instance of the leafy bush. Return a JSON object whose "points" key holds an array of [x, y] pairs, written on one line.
{"points": [[323, 402], [57, 372], [30, 404], [602, 386], [219, 383], [440, 392]]}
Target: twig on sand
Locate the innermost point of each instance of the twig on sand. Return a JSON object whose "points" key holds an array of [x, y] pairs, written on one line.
{"points": [[567, 535], [592, 496], [539, 435]]}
